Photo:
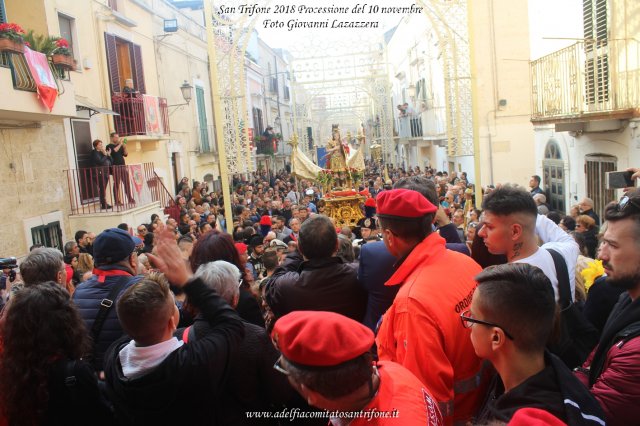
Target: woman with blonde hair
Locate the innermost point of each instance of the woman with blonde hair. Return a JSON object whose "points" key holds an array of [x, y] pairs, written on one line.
{"points": [[586, 225], [85, 266]]}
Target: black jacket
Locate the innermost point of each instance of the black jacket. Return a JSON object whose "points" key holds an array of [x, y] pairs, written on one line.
{"points": [[326, 284], [74, 397], [253, 384], [98, 159], [182, 388], [555, 390]]}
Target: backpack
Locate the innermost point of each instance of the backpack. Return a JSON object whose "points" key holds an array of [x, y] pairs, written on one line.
{"points": [[575, 337]]}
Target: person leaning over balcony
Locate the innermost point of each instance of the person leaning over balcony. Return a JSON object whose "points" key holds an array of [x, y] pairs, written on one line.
{"points": [[120, 172], [100, 160]]}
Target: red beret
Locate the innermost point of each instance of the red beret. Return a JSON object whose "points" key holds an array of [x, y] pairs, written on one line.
{"points": [[241, 247], [371, 202], [403, 203], [265, 220], [320, 339]]}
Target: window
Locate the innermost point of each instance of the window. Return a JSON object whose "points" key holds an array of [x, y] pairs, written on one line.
{"points": [[67, 31], [287, 96], [258, 127], [49, 235], [597, 165], [553, 177], [124, 60], [113, 4], [3, 12], [594, 15]]}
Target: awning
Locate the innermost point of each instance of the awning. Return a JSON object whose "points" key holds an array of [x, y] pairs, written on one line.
{"points": [[84, 104]]}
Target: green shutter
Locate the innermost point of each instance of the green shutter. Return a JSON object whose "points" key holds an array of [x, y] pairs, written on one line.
{"points": [[3, 12], [202, 120]]}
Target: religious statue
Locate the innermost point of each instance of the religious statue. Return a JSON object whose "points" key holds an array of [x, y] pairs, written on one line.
{"points": [[337, 154]]}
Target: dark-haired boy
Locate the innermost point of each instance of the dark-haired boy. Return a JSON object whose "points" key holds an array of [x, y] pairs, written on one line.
{"points": [[511, 318], [155, 379]]}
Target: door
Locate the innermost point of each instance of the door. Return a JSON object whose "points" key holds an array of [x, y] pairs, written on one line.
{"points": [[554, 177], [596, 167], [202, 120], [81, 130]]}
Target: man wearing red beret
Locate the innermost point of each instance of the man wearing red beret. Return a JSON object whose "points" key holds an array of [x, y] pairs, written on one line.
{"points": [[333, 370], [421, 328]]}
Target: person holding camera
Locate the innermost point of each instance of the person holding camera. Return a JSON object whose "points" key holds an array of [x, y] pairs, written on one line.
{"points": [[101, 161]]}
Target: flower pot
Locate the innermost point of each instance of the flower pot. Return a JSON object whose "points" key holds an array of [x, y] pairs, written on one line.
{"points": [[8, 45], [63, 61]]}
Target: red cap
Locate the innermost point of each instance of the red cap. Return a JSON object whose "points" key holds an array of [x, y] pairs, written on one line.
{"points": [[320, 339], [534, 417], [371, 202], [403, 203], [265, 220], [241, 247], [365, 192]]}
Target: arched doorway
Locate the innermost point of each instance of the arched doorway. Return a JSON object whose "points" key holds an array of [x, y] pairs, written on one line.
{"points": [[554, 176]]}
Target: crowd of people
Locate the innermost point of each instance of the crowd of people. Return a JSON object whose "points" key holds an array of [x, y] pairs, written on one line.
{"points": [[433, 310]]}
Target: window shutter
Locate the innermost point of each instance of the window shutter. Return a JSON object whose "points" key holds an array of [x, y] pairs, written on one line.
{"points": [[3, 12], [112, 61], [138, 70]]}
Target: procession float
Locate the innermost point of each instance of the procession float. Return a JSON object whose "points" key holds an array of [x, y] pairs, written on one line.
{"points": [[344, 170]]}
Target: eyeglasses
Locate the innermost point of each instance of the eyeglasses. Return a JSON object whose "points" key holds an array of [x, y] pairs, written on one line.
{"points": [[624, 203], [468, 321], [279, 368], [142, 230]]}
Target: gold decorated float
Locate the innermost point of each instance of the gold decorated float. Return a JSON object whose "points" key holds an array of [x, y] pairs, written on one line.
{"points": [[345, 170]]}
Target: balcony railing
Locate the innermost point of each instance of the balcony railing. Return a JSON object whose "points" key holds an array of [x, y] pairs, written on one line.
{"points": [[265, 147], [133, 185], [206, 139], [132, 120], [586, 79], [410, 127]]}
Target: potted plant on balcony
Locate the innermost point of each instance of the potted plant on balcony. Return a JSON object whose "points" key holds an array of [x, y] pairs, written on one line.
{"points": [[11, 38], [62, 56], [40, 43]]}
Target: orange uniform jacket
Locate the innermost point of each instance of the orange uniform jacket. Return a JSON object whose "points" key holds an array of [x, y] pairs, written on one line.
{"points": [[403, 398], [422, 328]]}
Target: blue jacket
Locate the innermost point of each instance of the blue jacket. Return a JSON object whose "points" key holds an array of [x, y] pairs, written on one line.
{"points": [[87, 298]]}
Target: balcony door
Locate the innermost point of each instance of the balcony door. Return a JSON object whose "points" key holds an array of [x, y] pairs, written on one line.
{"points": [[81, 130], [124, 60]]}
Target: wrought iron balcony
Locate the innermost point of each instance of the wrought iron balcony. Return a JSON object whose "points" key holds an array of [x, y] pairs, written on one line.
{"points": [[137, 118], [588, 80], [22, 102]]}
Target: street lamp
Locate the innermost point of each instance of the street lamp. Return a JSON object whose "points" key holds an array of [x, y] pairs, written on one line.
{"points": [[187, 94]]}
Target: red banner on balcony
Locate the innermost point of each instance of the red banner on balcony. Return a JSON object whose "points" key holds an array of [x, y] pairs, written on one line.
{"points": [[43, 77], [152, 115], [137, 176]]}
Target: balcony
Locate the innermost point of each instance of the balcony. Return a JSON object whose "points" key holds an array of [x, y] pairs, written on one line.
{"points": [[590, 80], [141, 117], [138, 187], [409, 127], [21, 102]]}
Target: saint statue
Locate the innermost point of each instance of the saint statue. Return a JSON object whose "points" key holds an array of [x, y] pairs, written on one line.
{"points": [[337, 154]]}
